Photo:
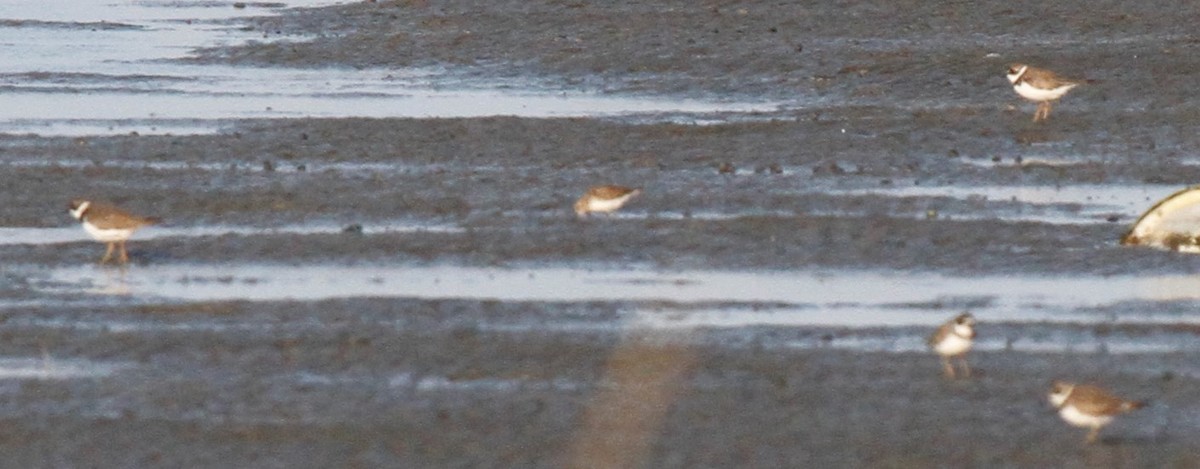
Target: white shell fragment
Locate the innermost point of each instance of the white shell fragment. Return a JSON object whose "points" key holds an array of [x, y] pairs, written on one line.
{"points": [[1173, 223]]}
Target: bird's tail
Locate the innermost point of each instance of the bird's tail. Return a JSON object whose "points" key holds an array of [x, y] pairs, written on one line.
{"points": [[1129, 406]]}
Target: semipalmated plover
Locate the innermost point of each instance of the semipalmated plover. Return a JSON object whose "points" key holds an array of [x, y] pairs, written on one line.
{"points": [[1040, 86], [604, 199], [108, 224], [953, 340], [1084, 405]]}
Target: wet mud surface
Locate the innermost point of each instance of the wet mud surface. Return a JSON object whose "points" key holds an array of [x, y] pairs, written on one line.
{"points": [[448, 383], [879, 99]]}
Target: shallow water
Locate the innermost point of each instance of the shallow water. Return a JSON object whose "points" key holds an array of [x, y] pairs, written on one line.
{"points": [[1095, 202], [71, 234], [833, 298], [879, 312], [99, 67]]}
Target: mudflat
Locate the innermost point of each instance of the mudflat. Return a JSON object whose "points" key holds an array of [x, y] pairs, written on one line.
{"points": [[886, 110]]}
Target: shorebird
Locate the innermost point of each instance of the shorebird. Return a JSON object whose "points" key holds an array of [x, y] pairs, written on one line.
{"points": [[953, 340], [1040, 86], [1084, 405], [108, 224], [606, 199]]}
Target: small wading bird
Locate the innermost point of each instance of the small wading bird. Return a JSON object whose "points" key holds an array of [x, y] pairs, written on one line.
{"points": [[606, 199], [953, 340], [1040, 86], [1088, 406], [108, 224]]}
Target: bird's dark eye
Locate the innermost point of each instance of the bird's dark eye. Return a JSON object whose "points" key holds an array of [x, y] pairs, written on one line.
{"points": [[1012, 70]]}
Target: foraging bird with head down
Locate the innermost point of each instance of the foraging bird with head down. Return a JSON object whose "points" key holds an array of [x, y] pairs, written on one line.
{"points": [[605, 199]]}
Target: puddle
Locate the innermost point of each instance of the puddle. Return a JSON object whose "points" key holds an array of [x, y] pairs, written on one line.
{"points": [[51, 368], [143, 327], [345, 167], [908, 329], [836, 315], [1096, 202], [95, 67], [72, 234], [634, 214], [441, 384], [1038, 161], [1073, 344], [1037, 215], [76, 127]]}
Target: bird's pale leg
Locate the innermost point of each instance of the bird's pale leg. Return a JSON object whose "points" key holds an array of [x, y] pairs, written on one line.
{"points": [[124, 255], [107, 253], [948, 367], [966, 368], [1091, 436]]}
